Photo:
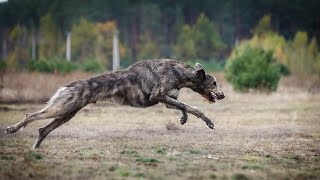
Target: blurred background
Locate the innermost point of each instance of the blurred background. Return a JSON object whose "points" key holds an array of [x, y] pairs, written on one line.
{"points": [[61, 37], [207, 30]]}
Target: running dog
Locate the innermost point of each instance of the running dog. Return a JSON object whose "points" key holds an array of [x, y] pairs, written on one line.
{"points": [[144, 84]]}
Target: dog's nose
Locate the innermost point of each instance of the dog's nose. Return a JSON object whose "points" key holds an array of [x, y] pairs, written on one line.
{"points": [[221, 96]]}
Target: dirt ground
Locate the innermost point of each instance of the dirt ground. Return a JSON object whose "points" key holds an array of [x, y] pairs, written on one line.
{"points": [[257, 136]]}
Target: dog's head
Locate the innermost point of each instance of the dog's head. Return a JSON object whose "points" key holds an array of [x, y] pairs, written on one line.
{"points": [[206, 85]]}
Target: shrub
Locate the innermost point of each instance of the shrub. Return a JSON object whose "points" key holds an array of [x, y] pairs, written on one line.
{"points": [[254, 68], [3, 65], [64, 66], [49, 66], [41, 66], [199, 40], [284, 70], [92, 65]]}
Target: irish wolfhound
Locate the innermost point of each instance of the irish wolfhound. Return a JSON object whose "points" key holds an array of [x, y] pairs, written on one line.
{"points": [[143, 84]]}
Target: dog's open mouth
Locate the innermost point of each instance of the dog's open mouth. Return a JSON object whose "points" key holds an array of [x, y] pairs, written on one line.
{"points": [[212, 97]]}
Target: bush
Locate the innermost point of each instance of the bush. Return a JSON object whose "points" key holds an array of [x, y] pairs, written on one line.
{"points": [[254, 68], [64, 66], [53, 65], [3, 65], [92, 65], [284, 70], [41, 66], [199, 40]]}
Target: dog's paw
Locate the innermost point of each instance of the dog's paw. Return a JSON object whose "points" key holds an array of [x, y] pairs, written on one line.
{"points": [[183, 120], [210, 125], [10, 130], [35, 146]]}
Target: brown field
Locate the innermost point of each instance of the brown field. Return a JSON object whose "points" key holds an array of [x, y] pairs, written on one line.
{"points": [[257, 136]]}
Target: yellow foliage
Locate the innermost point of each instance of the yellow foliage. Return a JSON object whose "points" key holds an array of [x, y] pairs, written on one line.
{"points": [[280, 55], [317, 65], [148, 49], [12, 60], [15, 33], [297, 51], [270, 41], [313, 47], [298, 55], [51, 42], [104, 42], [19, 53], [185, 46], [300, 40], [263, 27], [107, 27], [84, 37]]}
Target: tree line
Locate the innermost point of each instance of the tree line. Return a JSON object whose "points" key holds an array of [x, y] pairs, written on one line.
{"points": [[185, 29]]}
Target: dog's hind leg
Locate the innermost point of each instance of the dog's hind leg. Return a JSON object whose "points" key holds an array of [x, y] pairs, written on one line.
{"points": [[44, 131], [60, 103], [46, 113]]}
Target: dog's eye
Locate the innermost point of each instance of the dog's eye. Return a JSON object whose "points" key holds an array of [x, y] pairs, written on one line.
{"points": [[214, 83]]}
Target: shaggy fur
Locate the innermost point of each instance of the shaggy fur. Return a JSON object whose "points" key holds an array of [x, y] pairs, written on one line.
{"points": [[143, 84]]}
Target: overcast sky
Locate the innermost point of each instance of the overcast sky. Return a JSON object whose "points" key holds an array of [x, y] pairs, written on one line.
{"points": [[1, 1]]}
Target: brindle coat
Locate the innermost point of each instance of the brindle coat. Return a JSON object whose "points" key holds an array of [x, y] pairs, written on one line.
{"points": [[143, 84]]}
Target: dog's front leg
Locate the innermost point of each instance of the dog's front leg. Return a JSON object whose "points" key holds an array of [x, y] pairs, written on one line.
{"points": [[184, 117], [185, 107]]}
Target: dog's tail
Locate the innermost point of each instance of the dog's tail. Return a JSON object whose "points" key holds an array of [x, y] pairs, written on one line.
{"points": [[60, 94], [74, 95]]}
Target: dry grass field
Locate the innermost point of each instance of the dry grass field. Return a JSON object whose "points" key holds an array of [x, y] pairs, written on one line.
{"points": [[257, 136]]}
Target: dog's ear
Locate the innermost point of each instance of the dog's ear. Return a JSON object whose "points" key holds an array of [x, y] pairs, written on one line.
{"points": [[200, 71]]}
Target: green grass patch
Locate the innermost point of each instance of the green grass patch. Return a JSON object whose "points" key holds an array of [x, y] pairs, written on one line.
{"points": [[129, 152], [86, 151], [251, 158], [213, 176], [140, 175], [293, 157], [123, 172], [147, 160], [239, 176], [113, 167], [33, 156], [173, 158], [193, 151], [161, 151], [252, 166], [268, 156], [4, 157], [87, 148]]}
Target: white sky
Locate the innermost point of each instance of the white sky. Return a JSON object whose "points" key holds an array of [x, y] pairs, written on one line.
{"points": [[1, 1]]}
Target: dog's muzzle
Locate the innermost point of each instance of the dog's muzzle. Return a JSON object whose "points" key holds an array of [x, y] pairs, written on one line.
{"points": [[216, 96]]}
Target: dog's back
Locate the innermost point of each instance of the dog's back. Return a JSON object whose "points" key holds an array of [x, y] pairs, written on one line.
{"points": [[134, 85]]}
